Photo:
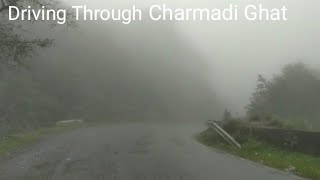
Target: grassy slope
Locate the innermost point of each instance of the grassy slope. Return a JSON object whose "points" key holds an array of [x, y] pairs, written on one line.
{"points": [[14, 142], [304, 165]]}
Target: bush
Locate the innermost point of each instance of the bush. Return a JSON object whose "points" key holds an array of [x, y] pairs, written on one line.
{"points": [[235, 128], [273, 122], [233, 125]]}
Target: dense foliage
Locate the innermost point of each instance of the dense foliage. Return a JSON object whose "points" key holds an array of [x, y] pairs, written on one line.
{"points": [[293, 95], [17, 40]]}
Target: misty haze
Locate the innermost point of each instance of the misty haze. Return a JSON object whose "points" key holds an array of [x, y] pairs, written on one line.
{"points": [[157, 97]]}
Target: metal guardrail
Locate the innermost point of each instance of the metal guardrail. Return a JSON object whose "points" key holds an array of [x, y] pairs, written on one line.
{"points": [[226, 136]]}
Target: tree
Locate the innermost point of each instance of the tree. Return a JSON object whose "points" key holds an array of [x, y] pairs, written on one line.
{"points": [[258, 100], [293, 94], [226, 115], [15, 43]]}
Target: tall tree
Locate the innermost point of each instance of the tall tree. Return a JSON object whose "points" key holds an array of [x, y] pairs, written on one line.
{"points": [[293, 94], [15, 43]]}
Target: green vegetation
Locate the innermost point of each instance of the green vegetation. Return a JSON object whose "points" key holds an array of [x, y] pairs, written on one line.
{"points": [[291, 96], [15, 46], [300, 164], [12, 143]]}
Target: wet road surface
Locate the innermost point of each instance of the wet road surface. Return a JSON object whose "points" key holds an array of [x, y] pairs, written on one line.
{"points": [[132, 152]]}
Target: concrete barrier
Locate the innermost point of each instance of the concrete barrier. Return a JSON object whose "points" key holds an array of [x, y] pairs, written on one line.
{"points": [[296, 140]]}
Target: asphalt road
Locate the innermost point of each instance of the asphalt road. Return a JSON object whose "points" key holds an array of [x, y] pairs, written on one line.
{"points": [[131, 152]]}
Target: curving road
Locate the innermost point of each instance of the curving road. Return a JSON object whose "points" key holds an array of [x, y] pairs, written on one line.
{"points": [[132, 152]]}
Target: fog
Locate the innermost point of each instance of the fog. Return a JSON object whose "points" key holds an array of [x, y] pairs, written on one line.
{"points": [[145, 71], [237, 51], [102, 99], [167, 69]]}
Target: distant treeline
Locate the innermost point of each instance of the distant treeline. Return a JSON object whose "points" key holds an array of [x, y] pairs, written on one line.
{"points": [[293, 96]]}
